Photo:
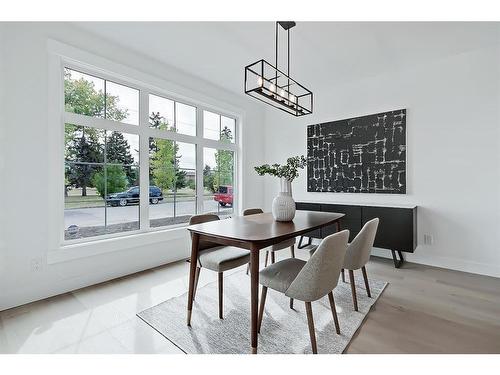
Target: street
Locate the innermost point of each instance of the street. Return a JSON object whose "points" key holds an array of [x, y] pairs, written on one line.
{"points": [[85, 217]]}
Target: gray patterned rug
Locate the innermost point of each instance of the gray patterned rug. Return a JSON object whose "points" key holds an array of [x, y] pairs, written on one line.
{"points": [[283, 330]]}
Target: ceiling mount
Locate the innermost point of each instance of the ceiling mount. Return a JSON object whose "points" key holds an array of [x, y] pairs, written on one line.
{"points": [[287, 24], [267, 83]]}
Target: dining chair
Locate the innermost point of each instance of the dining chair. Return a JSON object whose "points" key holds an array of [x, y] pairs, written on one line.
{"points": [[216, 257], [290, 243], [358, 254], [308, 281]]}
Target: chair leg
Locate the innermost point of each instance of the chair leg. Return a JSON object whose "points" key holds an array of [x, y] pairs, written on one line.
{"points": [[196, 278], [353, 290], [273, 259], [365, 276], [248, 267], [310, 322], [343, 275], [220, 295], [291, 303], [334, 312], [292, 251], [267, 256], [261, 308]]}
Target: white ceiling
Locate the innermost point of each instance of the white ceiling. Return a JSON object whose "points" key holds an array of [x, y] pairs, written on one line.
{"points": [[322, 53]]}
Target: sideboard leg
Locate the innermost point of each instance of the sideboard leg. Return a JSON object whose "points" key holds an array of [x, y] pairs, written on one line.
{"points": [[300, 246], [397, 263]]}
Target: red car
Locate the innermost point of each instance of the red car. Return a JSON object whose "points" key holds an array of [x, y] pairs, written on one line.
{"points": [[224, 196]]}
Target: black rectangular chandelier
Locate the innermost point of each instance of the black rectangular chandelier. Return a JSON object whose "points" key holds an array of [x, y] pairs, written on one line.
{"points": [[270, 85]]}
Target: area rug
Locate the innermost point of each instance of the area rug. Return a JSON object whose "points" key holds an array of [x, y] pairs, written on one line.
{"points": [[283, 331]]}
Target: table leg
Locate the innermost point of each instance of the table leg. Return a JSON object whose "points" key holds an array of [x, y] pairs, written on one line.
{"points": [[338, 225], [254, 295], [195, 240]]}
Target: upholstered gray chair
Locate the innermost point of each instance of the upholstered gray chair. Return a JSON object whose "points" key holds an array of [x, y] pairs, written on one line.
{"points": [[290, 243], [217, 258], [358, 254], [308, 281]]}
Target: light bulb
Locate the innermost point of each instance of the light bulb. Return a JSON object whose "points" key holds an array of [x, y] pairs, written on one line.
{"points": [[292, 98], [282, 93], [272, 88], [260, 82]]}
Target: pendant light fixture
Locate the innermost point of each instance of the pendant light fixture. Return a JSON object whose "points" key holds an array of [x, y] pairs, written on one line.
{"points": [[267, 83]]}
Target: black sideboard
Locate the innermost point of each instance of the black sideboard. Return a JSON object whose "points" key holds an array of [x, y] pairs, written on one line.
{"points": [[397, 229]]}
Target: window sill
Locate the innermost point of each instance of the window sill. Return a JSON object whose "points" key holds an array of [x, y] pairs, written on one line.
{"points": [[75, 251]]}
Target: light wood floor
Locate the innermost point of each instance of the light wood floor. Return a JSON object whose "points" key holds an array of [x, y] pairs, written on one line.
{"points": [[431, 310], [423, 310]]}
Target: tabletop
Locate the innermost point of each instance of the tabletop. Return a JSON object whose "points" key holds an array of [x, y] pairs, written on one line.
{"points": [[263, 227]]}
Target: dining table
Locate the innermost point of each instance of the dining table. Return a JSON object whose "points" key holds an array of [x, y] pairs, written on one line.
{"points": [[254, 233]]}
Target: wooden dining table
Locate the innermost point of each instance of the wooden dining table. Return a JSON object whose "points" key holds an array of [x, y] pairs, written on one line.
{"points": [[254, 233]]}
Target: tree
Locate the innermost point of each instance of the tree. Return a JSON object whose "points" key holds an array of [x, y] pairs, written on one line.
{"points": [[85, 144], [225, 162], [164, 158], [208, 178], [180, 179], [163, 164], [191, 184], [81, 96], [118, 152], [114, 182], [118, 149]]}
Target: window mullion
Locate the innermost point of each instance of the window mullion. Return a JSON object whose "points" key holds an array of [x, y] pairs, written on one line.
{"points": [[144, 160], [199, 162], [99, 123]]}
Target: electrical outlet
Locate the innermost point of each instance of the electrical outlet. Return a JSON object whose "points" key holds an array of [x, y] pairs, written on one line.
{"points": [[36, 264], [428, 239]]}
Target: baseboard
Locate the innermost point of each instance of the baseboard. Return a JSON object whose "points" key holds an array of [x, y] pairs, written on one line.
{"points": [[455, 264], [49, 290], [444, 262]]}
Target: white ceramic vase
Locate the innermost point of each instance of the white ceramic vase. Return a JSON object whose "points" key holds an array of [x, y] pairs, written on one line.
{"points": [[283, 204]]}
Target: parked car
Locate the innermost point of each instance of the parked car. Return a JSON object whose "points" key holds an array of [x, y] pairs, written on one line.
{"points": [[132, 196], [224, 196]]}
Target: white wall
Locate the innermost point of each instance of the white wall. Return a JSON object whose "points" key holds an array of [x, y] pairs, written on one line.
{"points": [[2, 156], [453, 152], [25, 155]]}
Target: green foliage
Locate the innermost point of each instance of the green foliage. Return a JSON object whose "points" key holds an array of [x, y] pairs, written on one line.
{"points": [[163, 164], [208, 178], [118, 152], [163, 155], [165, 158], [85, 144], [115, 180], [81, 96], [118, 149], [191, 184], [180, 179], [288, 171]]}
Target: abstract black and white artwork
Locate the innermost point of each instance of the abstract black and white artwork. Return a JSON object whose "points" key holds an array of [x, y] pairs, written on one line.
{"points": [[359, 155]]}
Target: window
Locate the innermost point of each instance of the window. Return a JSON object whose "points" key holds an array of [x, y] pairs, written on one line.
{"points": [[172, 171], [218, 181], [172, 116], [101, 177], [191, 163], [217, 127]]}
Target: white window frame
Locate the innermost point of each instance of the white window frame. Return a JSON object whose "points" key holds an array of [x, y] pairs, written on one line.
{"points": [[61, 57]]}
